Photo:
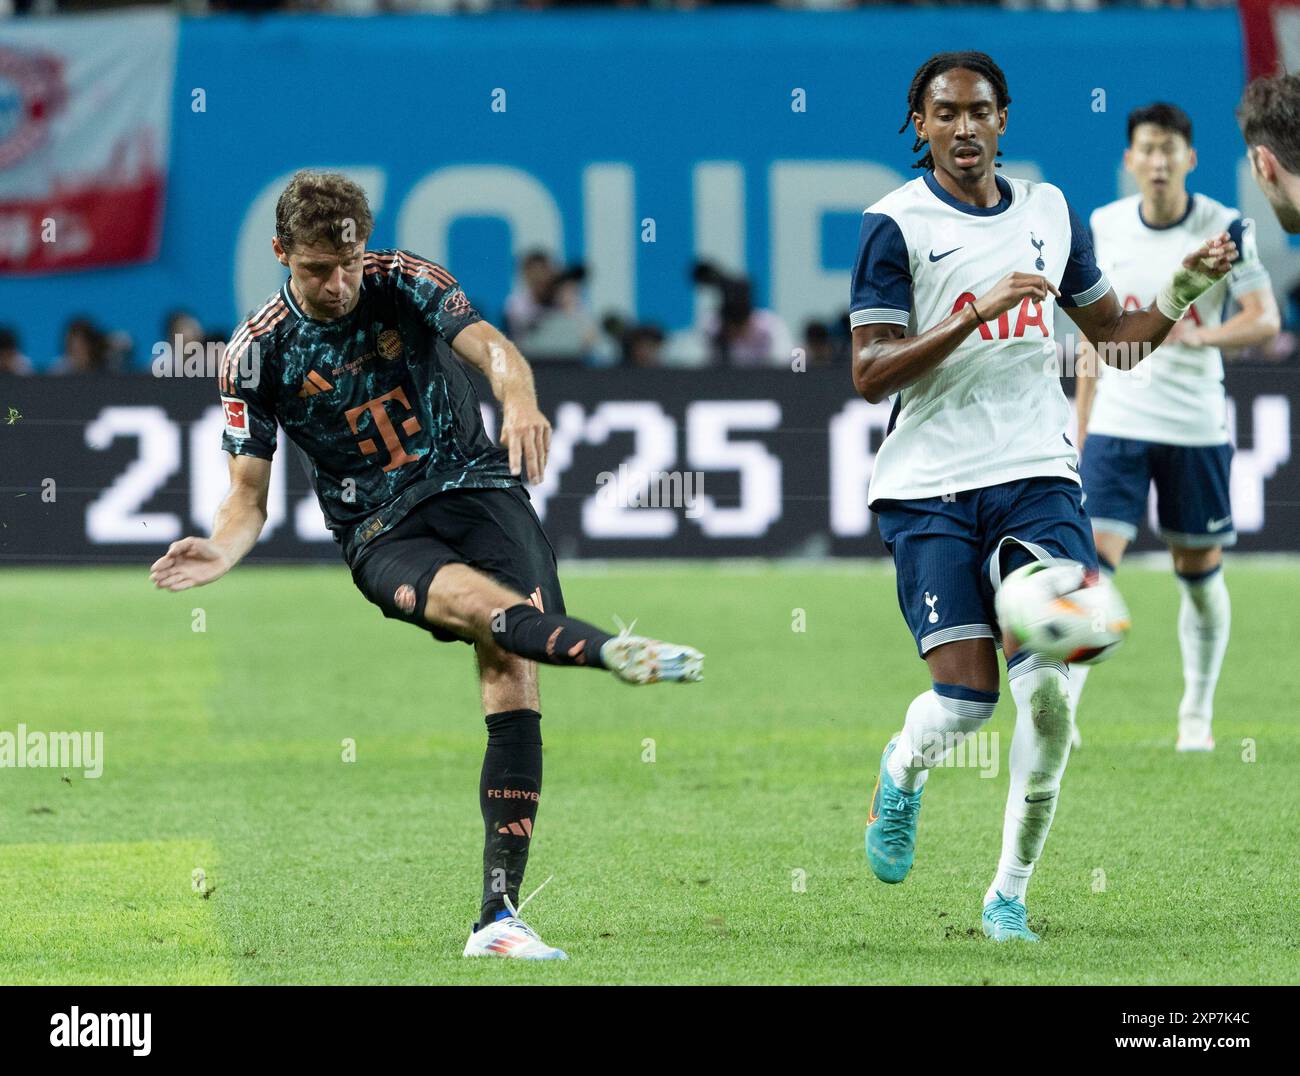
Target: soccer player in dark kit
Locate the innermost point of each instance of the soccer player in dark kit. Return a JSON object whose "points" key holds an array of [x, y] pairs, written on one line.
{"points": [[353, 357]]}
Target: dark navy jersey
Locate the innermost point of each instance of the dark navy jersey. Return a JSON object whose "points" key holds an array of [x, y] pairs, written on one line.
{"points": [[382, 409]]}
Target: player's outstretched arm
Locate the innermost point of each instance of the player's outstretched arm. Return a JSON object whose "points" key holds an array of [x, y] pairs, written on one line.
{"points": [[885, 361], [192, 562], [525, 432], [1123, 338]]}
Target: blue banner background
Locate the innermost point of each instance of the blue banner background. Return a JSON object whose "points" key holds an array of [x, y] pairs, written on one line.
{"points": [[660, 92]]}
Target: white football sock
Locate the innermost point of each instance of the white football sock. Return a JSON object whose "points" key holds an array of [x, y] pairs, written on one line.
{"points": [[937, 721], [1203, 623], [1039, 750]]}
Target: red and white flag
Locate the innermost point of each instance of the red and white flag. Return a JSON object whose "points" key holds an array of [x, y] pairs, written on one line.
{"points": [[85, 119]]}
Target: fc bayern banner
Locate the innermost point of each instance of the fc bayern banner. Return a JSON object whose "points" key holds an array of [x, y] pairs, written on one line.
{"points": [[85, 116]]}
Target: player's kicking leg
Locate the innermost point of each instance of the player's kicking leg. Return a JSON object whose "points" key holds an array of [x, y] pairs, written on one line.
{"points": [[1047, 520], [474, 606], [418, 572], [1040, 747], [510, 789]]}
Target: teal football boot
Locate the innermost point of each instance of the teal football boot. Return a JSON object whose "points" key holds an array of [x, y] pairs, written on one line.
{"points": [[1004, 920], [891, 825]]}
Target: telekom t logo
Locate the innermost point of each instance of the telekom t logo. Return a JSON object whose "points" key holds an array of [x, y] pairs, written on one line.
{"points": [[397, 455]]}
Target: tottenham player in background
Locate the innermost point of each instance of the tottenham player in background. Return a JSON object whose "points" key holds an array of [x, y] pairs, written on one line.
{"points": [[1269, 115], [954, 291], [1166, 421], [352, 356]]}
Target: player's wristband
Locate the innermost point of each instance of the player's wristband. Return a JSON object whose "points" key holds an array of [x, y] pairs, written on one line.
{"points": [[1185, 288], [971, 304]]}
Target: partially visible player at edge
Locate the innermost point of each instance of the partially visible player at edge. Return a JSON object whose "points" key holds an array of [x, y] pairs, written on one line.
{"points": [[1167, 420], [351, 357], [957, 276], [1269, 115]]}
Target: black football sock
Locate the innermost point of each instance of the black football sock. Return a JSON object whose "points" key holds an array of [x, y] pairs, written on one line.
{"points": [[508, 793], [550, 638]]}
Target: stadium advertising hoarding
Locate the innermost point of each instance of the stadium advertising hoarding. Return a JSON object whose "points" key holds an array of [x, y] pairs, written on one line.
{"points": [[644, 463]]}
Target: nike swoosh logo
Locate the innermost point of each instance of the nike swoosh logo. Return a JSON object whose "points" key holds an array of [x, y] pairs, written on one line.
{"points": [[1218, 524], [872, 811], [939, 257], [1041, 799]]}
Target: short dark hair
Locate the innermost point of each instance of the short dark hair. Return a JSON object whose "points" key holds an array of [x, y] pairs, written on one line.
{"points": [[316, 207], [1269, 115], [981, 63], [8, 339], [1163, 115]]}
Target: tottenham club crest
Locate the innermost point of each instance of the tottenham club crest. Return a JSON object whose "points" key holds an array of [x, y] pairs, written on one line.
{"points": [[1039, 264], [932, 601], [390, 344]]}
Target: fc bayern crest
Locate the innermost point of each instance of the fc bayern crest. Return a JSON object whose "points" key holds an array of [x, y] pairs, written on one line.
{"points": [[404, 598], [456, 304], [32, 93], [390, 344]]}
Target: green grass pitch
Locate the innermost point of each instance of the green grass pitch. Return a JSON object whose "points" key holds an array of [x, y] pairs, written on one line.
{"points": [[735, 856]]}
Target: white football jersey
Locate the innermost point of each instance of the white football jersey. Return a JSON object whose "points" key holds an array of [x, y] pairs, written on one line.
{"points": [[992, 411], [1175, 395]]}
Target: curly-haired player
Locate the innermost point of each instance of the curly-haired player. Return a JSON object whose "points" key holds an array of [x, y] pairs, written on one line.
{"points": [[955, 287], [353, 358]]}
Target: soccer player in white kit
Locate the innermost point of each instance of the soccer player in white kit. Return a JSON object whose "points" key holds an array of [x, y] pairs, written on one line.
{"points": [[1165, 421], [954, 291]]}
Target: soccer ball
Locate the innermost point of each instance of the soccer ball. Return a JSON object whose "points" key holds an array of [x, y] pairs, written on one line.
{"points": [[1062, 611]]}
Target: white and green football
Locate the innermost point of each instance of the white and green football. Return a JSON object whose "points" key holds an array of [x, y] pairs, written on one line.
{"points": [[1060, 610]]}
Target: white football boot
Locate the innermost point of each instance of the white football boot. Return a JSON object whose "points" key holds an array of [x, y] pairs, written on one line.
{"points": [[512, 937], [638, 660], [1194, 733]]}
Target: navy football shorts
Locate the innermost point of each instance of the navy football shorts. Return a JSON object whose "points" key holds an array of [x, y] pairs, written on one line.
{"points": [[950, 556], [493, 530], [1192, 502]]}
